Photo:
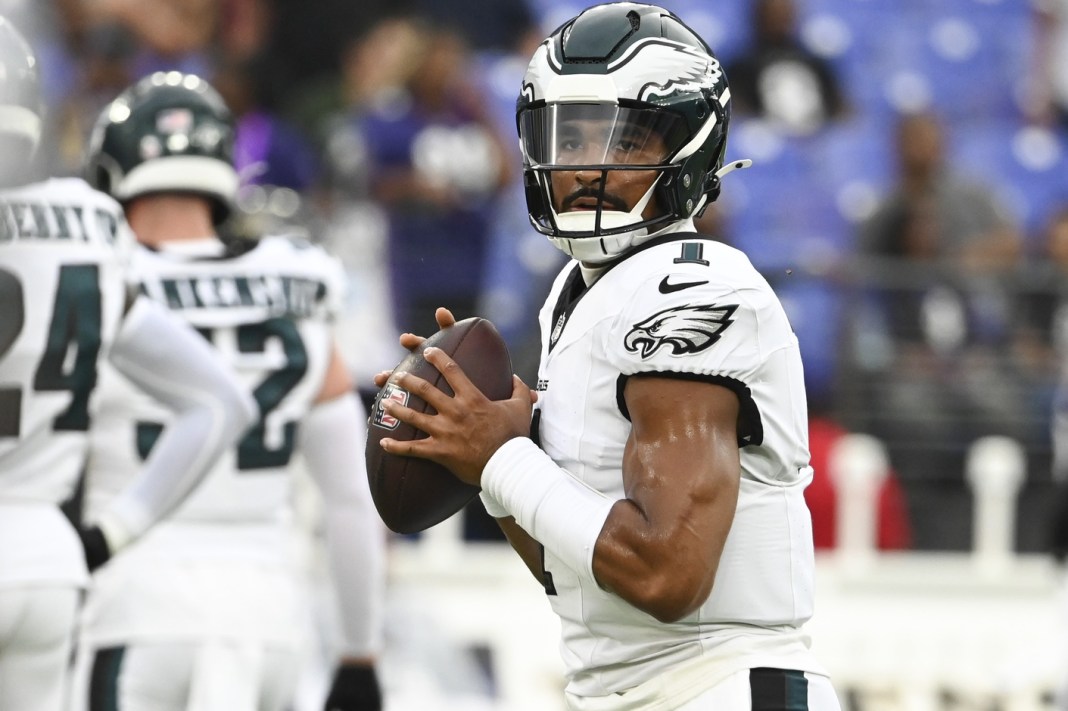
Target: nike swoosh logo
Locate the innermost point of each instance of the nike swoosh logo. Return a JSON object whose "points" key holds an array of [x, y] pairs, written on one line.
{"points": [[666, 288]]}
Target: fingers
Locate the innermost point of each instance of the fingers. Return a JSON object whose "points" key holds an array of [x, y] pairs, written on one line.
{"points": [[430, 394], [419, 420], [454, 375], [400, 447], [421, 388], [444, 317], [410, 341], [520, 391]]}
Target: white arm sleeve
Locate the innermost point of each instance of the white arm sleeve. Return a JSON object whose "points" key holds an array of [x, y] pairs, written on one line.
{"points": [[170, 361], [332, 439], [556, 509]]}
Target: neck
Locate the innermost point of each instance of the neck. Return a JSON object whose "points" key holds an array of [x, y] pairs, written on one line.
{"points": [[162, 217]]}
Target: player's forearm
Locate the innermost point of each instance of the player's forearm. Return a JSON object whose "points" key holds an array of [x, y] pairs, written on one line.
{"points": [[171, 362], [332, 446], [664, 568], [356, 555], [547, 502]]}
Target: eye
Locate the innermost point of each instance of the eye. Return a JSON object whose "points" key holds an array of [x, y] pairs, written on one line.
{"points": [[570, 145], [631, 147]]}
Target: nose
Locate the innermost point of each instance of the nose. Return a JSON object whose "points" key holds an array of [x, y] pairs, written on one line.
{"points": [[588, 177]]}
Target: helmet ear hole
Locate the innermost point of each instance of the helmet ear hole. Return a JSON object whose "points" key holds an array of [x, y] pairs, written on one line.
{"points": [[103, 173], [101, 179]]}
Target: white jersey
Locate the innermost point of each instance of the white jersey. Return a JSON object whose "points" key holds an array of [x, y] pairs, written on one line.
{"points": [[63, 248], [268, 311], [62, 252], [689, 307]]}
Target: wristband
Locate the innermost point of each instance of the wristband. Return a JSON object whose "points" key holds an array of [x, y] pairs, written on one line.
{"points": [[555, 508], [493, 507], [115, 533]]}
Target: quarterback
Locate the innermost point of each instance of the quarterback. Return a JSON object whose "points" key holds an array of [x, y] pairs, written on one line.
{"points": [[658, 495], [65, 312]]}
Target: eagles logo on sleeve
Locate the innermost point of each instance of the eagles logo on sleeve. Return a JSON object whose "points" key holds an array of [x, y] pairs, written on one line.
{"points": [[683, 329]]}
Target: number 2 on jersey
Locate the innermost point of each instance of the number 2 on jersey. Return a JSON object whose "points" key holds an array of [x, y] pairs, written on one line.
{"points": [[253, 451], [257, 450]]}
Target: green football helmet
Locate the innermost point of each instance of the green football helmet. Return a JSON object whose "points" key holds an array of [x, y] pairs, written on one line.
{"points": [[169, 132], [632, 70]]}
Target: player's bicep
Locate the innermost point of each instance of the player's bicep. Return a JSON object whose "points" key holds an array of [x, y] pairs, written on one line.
{"points": [[660, 547], [682, 459]]}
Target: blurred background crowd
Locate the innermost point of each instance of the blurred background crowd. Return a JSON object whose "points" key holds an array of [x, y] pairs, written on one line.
{"points": [[908, 198]]}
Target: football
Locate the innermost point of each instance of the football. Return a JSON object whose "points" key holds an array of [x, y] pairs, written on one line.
{"points": [[413, 494]]}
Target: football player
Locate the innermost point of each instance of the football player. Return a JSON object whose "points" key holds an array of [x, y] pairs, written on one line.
{"points": [[658, 497], [65, 309], [207, 612]]}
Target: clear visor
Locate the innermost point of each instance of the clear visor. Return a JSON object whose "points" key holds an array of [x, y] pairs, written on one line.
{"points": [[599, 134]]}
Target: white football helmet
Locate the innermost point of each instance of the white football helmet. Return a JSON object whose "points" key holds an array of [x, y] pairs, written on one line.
{"points": [[632, 70]]}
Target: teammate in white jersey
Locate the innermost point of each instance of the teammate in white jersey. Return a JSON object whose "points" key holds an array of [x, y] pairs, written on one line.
{"points": [[65, 310], [659, 496], [207, 612]]}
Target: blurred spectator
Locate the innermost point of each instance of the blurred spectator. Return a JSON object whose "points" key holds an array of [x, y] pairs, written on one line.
{"points": [[99, 68], [487, 25], [278, 165], [244, 28], [1043, 325], [521, 262], [169, 27], [111, 43], [268, 149], [1040, 348], [422, 144], [437, 166], [933, 214], [781, 79], [303, 52], [1058, 528], [942, 255], [374, 68], [163, 34], [1048, 324], [1049, 100]]}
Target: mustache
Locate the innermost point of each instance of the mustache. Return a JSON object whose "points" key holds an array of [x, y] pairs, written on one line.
{"points": [[607, 200]]}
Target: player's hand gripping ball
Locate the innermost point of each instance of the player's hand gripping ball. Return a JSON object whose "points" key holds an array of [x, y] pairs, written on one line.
{"points": [[413, 494]]}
